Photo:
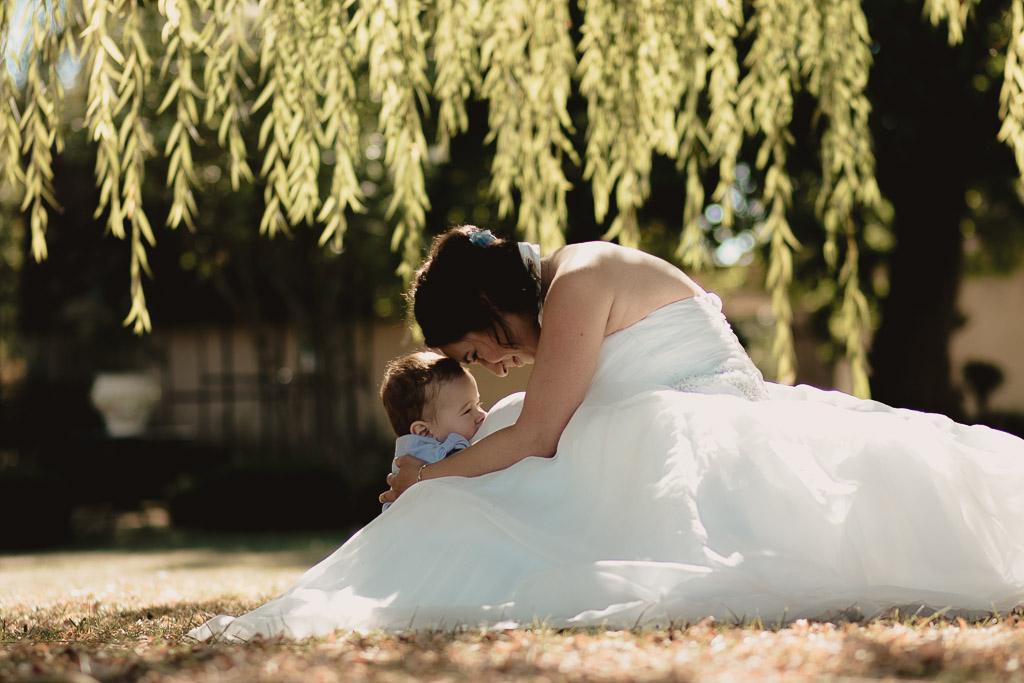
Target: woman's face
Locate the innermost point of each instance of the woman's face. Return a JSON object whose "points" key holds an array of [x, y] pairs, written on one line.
{"points": [[485, 349]]}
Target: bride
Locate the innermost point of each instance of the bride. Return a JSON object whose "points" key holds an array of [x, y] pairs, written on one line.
{"points": [[649, 475]]}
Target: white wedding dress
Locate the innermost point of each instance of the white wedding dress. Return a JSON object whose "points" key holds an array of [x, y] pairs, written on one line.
{"points": [[685, 487]]}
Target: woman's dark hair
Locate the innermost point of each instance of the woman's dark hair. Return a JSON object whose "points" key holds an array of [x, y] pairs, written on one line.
{"points": [[411, 382], [464, 287]]}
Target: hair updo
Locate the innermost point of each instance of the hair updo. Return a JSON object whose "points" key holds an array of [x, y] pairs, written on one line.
{"points": [[464, 287]]}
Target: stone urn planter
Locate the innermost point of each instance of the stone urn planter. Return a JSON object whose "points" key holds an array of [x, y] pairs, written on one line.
{"points": [[126, 400]]}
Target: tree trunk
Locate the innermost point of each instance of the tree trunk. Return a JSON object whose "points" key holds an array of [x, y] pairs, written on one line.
{"points": [[910, 353], [927, 128]]}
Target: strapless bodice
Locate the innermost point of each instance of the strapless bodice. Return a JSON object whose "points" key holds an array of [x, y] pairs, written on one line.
{"points": [[687, 345]]}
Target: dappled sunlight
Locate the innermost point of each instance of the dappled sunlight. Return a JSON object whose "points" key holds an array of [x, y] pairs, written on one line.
{"points": [[121, 615], [122, 578]]}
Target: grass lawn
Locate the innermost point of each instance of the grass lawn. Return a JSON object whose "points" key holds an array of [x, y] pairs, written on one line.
{"points": [[120, 615]]}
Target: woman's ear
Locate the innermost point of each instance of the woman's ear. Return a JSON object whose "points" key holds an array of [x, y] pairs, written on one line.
{"points": [[420, 428]]}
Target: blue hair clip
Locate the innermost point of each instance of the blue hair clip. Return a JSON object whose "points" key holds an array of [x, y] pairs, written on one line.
{"points": [[481, 238]]}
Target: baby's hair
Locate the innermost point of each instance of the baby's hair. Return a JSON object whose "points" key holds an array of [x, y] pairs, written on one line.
{"points": [[411, 382], [464, 286]]}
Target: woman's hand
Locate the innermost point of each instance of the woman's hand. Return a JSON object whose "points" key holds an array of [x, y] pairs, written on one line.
{"points": [[408, 471]]}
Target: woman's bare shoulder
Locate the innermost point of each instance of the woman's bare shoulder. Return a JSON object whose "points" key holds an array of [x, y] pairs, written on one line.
{"points": [[608, 259], [590, 256], [637, 282]]}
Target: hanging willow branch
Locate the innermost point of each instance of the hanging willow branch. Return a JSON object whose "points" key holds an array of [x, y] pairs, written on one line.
{"points": [[11, 173], [340, 124], [457, 56], [101, 57], [391, 37], [291, 130], [528, 58], [953, 12], [181, 41], [766, 106], [659, 77], [40, 122], [691, 155], [119, 71], [134, 145], [837, 69], [1011, 96], [225, 69], [706, 35], [725, 129], [630, 73]]}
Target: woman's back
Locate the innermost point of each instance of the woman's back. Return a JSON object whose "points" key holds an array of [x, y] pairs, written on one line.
{"points": [[640, 283]]}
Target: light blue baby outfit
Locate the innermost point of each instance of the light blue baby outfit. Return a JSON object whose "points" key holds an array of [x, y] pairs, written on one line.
{"points": [[426, 448]]}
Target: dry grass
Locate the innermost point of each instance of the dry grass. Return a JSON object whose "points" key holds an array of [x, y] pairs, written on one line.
{"points": [[121, 616]]}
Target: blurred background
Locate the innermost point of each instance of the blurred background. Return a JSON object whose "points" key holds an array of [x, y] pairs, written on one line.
{"points": [[252, 405]]}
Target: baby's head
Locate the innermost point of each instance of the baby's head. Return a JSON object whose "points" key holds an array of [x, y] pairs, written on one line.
{"points": [[428, 394]]}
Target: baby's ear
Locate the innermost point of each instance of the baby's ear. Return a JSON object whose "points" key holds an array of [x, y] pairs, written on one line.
{"points": [[420, 428]]}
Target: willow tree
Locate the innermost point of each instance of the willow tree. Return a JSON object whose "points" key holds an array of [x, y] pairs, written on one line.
{"points": [[694, 81]]}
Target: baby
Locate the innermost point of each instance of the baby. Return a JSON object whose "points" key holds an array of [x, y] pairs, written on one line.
{"points": [[433, 406]]}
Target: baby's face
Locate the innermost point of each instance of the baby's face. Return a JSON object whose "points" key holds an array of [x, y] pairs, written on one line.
{"points": [[456, 409]]}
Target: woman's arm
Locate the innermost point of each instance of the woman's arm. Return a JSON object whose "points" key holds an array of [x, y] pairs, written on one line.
{"points": [[576, 313]]}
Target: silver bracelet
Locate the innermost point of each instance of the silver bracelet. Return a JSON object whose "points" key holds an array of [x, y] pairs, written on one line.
{"points": [[419, 475]]}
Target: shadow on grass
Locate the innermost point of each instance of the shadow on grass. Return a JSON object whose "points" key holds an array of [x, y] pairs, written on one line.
{"points": [[203, 550]]}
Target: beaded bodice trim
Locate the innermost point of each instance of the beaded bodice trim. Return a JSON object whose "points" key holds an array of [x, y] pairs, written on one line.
{"points": [[734, 376]]}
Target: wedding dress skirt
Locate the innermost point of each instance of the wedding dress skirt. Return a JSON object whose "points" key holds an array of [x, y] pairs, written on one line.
{"points": [[685, 487]]}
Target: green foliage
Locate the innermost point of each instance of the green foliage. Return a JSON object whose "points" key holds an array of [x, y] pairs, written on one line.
{"points": [[528, 59], [953, 12], [766, 107], [225, 70], [120, 75], [391, 36], [289, 136], [40, 123], [695, 82], [340, 129], [1011, 97], [181, 41], [838, 78]]}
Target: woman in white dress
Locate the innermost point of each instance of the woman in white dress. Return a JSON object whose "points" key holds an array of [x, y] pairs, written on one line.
{"points": [[669, 482]]}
